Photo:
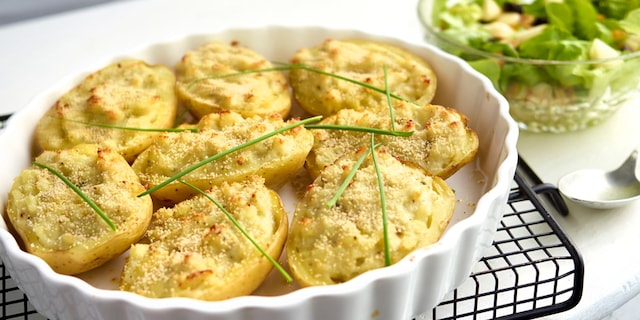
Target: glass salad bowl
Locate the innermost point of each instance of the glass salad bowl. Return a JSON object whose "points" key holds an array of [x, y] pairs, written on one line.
{"points": [[563, 66]]}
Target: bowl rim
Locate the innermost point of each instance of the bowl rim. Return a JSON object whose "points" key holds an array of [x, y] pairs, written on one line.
{"points": [[500, 183], [424, 16]]}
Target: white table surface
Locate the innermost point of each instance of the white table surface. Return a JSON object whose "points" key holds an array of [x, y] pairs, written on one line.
{"points": [[36, 53]]}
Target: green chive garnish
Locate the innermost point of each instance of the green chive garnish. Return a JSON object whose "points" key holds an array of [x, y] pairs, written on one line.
{"points": [[388, 94], [180, 117], [77, 190], [228, 151], [349, 177], [240, 73], [383, 198], [360, 129], [111, 126], [242, 230], [286, 67], [383, 205]]}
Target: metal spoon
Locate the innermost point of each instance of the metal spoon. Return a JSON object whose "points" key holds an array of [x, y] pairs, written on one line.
{"points": [[603, 190]]}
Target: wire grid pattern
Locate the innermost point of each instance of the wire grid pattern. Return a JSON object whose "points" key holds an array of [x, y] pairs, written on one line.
{"points": [[531, 270], [15, 304]]}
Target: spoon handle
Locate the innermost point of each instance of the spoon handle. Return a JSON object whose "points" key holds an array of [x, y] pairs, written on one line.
{"points": [[629, 171]]}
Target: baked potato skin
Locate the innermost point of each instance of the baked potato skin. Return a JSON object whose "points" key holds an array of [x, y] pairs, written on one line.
{"points": [[195, 251], [333, 244], [442, 141], [204, 86], [128, 93], [56, 225], [276, 159], [407, 76]]}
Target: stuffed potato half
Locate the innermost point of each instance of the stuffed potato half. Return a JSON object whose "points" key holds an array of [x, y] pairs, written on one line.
{"points": [[60, 227], [330, 244], [195, 251], [276, 159]]}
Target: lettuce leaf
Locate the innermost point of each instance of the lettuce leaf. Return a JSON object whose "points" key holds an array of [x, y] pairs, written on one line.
{"points": [[616, 9], [572, 25], [560, 16], [490, 68], [538, 47], [631, 22], [586, 18]]}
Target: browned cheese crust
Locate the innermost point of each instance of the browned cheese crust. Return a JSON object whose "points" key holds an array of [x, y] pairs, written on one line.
{"points": [[276, 159], [195, 250], [129, 93], [333, 244], [219, 76], [407, 76], [441, 142], [60, 227]]}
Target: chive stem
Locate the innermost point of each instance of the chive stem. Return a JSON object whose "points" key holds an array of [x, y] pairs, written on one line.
{"points": [[388, 94], [239, 73], [77, 190], [337, 76], [228, 151], [349, 177], [360, 129], [242, 230], [180, 117], [286, 67], [111, 126], [383, 205]]}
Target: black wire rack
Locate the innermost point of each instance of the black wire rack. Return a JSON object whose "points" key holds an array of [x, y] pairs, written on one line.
{"points": [[532, 270]]}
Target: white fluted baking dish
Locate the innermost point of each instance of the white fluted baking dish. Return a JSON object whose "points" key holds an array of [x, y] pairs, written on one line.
{"points": [[406, 289]]}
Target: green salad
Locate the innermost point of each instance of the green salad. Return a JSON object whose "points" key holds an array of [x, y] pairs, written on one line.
{"points": [[559, 30]]}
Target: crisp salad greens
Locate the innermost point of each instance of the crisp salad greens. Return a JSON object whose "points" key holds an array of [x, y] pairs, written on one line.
{"points": [[569, 31]]}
